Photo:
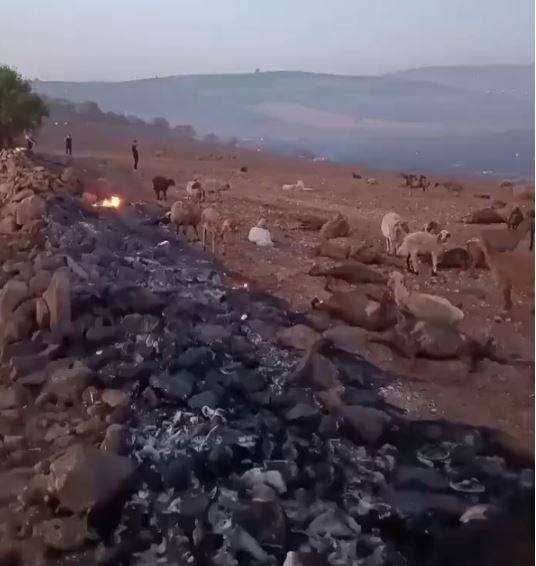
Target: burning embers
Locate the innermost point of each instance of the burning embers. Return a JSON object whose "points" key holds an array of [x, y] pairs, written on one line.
{"points": [[109, 202]]}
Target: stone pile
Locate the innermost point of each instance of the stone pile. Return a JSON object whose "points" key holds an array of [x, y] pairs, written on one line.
{"points": [[147, 415]]}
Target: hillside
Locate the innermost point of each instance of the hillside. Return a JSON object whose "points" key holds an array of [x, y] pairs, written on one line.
{"points": [[317, 111]]}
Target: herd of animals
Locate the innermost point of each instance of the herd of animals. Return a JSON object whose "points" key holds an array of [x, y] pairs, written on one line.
{"points": [[413, 324]]}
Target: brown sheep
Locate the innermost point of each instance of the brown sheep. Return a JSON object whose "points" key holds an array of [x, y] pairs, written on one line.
{"points": [[183, 215], [337, 227], [213, 223], [353, 273]]}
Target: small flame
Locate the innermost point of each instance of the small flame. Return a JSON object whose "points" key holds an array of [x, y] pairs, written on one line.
{"points": [[112, 202]]}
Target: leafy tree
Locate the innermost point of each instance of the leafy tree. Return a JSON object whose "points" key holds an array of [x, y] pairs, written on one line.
{"points": [[20, 108]]}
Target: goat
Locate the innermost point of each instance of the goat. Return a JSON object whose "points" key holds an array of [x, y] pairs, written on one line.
{"points": [[422, 243], [161, 185], [512, 270], [393, 230], [183, 215], [422, 305], [356, 309], [212, 222]]}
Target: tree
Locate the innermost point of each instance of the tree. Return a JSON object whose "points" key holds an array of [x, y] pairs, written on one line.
{"points": [[160, 122], [20, 108]]}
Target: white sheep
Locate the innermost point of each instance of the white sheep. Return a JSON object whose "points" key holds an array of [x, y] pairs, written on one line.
{"points": [[195, 191], [183, 215], [297, 186], [372, 181], [422, 243], [423, 306], [215, 187], [393, 230], [260, 235]]}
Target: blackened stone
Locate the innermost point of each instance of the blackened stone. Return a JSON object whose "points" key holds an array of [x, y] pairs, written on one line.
{"points": [[328, 427], [195, 357], [239, 345], [103, 357], [139, 324], [410, 477], [206, 398], [305, 559], [220, 459], [107, 375], [176, 474], [251, 380], [359, 396], [101, 335], [178, 386], [135, 372], [265, 521], [193, 505], [417, 504], [303, 413], [136, 300], [364, 424], [211, 334], [287, 468], [265, 330]]}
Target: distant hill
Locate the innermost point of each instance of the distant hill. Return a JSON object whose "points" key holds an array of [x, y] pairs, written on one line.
{"points": [[414, 107]]}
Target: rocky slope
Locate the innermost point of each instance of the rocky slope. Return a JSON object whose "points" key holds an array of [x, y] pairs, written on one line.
{"points": [[148, 416]]}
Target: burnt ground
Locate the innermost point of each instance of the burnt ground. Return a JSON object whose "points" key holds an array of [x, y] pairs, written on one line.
{"points": [[496, 395]]}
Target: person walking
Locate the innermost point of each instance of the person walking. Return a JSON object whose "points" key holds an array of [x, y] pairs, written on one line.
{"points": [[135, 154], [29, 142], [68, 145]]}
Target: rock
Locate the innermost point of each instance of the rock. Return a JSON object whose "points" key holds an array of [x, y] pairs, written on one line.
{"points": [[42, 314], [21, 322], [177, 386], [265, 521], [85, 478], [413, 477], [71, 175], [40, 282], [8, 398], [140, 324], [273, 478], [304, 559], [195, 357], [30, 208], [8, 225], [115, 398], [58, 300], [114, 439], [364, 424], [48, 262], [210, 334], [67, 384], [65, 533], [333, 523], [299, 337], [417, 504], [101, 335], [11, 296], [176, 474], [337, 227], [350, 339], [303, 413], [316, 371], [206, 398]]}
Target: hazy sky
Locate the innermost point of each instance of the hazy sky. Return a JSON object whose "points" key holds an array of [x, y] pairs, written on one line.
{"points": [[127, 39]]}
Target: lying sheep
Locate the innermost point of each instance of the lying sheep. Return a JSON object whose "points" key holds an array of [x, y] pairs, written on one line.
{"points": [[299, 185], [336, 227], [334, 251], [356, 175], [452, 186], [393, 230], [422, 243], [356, 309], [484, 216], [353, 273], [195, 191], [215, 188], [455, 258], [372, 181], [183, 215], [161, 186], [512, 270], [414, 338], [260, 235], [423, 306], [212, 223]]}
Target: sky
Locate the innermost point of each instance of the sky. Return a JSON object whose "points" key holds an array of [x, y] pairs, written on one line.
{"points": [[129, 39]]}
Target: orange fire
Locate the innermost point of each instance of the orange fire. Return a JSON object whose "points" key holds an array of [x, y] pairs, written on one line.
{"points": [[112, 202]]}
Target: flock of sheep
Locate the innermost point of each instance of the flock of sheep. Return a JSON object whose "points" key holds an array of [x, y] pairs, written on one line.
{"points": [[411, 322]]}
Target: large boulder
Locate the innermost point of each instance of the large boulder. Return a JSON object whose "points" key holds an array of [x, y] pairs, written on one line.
{"points": [[30, 208], [299, 337], [86, 478], [8, 225], [13, 294], [58, 301]]}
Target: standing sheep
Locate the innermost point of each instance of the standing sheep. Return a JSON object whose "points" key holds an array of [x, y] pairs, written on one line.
{"points": [[215, 188], [195, 191], [184, 215], [393, 230], [213, 223], [422, 243], [161, 185]]}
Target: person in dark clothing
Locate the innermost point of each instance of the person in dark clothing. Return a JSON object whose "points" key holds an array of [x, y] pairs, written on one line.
{"points": [[68, 145], [29, 143], [135, 154]]}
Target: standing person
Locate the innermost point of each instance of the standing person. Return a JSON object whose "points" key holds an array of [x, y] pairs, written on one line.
{"points": [[68, 145], [29, 142], [135, 154]]}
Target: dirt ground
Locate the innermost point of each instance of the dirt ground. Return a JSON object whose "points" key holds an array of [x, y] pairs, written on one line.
{"points": [[499, 396]]}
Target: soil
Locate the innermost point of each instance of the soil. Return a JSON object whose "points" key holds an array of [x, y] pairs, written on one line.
{"points": [[498, 396]]}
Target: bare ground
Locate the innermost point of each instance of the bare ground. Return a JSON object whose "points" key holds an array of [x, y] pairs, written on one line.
{"points": [[496, 395]]}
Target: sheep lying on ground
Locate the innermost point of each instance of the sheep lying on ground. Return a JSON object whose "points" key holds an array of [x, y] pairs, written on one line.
{"points": [[215, 188], [334, 251], [422, 243], [393, 230], [195, 191], [423, 306], [299, 185], [356, 309], [372, 181], [452, 186], [356, 175], [455, 258], [183, 215], [512, 270], [213, 224], [311, 223], [161, 185], [353, 273], [260, 235], [484, 216], [414, 338], [336, 227], [501, 240]]}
